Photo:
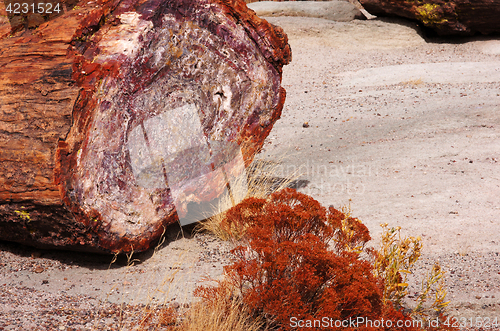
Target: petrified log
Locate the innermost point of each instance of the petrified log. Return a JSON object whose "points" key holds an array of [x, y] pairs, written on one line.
{"points": [[455, 17], [117, 115]]}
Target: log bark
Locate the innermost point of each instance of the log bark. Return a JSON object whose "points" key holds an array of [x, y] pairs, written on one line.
{"points": [[456, 17], [116, 115]]}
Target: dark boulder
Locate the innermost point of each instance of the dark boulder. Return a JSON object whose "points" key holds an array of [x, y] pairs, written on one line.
{"points": [[455, 17]]}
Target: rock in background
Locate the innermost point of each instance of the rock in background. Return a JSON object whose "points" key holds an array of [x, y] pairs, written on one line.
{"points": [[116, 116], [456, 17]]}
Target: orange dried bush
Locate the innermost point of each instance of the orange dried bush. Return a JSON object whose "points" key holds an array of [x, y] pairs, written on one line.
{"points": [[300, 260], [350, 234], [286, 268]]}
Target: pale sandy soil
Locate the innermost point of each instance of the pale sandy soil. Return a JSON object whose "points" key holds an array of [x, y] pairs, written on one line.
{"points": [[405, 130], [401, 128]]}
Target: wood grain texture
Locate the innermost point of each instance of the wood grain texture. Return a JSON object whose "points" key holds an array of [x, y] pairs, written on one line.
{"points": [[116, 115]]}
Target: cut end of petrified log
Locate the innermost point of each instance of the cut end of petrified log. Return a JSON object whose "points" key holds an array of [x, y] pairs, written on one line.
{"points": [[175, 99]]}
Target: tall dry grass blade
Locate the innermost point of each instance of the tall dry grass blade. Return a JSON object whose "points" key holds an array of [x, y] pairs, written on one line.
{"points": [[223, 312], [262, 179]]}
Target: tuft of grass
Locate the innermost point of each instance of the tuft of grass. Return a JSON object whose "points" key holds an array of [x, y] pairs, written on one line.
{"points": [[394, 261], [262, 179], [239, 191], [413, 83], [433, 284], [222, 311], [267, 177]]}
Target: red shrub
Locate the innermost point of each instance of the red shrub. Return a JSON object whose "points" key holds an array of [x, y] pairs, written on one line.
{"points": [[302, 261], [350, 233], [287, 270]]}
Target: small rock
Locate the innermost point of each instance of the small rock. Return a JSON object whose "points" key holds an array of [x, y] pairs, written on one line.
{"points": [[38, 270], [305, 125]]}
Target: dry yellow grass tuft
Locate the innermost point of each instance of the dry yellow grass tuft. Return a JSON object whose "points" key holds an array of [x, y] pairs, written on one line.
{"points": [[413, 83], [224, 311], [263, 178], [394, 261]]}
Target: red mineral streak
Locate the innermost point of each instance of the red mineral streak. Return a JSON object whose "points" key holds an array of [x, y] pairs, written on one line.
{"points": [[97, 72]]}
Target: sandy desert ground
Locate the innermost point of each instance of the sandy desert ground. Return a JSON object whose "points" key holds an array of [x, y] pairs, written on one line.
{"points": [[402, 128]]}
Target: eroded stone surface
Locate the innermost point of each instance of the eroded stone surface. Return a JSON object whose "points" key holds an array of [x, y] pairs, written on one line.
{"points": [[175, 98]]}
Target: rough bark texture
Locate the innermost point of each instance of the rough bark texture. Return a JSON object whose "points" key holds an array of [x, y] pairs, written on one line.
{"points": [[456, 17], [107, 111]]}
